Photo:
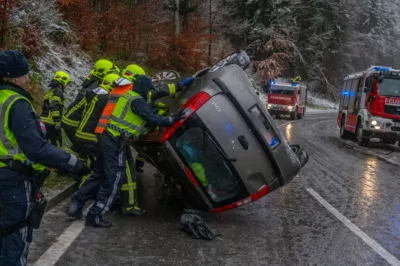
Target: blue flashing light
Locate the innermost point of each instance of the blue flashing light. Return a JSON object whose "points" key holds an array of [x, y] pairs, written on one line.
{"points": [[348, 93], [294, 84], [379, 68], [272, 82]]}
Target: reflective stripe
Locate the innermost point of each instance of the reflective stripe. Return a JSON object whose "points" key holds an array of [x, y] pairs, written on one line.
{"points": [[6, 142], [86, 136], [56, 98], [70, 122], [130, 186], [107, 117], [172, 88], [123, 122], [72, 160], [76, 107], [150, 97]]}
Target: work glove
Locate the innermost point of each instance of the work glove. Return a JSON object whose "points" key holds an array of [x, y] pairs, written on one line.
{"points": [[57, 126], [179, 115], [187, 81], [80, 169], [196, 227]]}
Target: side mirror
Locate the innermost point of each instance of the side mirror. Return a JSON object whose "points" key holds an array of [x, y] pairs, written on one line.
{"points": [[380, 79], [365, 89]]}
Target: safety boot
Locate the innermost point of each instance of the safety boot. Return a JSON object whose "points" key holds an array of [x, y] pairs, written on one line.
{"points": [[97, 222], [134, 211], [74, 210]]}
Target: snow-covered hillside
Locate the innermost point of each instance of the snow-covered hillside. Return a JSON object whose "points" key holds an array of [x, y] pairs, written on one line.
{"points": [[59, 45]]}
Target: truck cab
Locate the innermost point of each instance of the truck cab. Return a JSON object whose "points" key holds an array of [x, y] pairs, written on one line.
{"points": [[287, 99], [370, 105]]}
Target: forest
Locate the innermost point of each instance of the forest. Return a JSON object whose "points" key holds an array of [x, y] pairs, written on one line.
{"points": [[320, 40]]}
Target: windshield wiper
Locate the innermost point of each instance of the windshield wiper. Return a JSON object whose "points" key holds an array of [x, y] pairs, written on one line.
{"points": [[218, 148]]}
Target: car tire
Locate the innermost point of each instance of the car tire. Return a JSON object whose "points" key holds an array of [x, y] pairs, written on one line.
{"points": [[344, 134], [293, 116], [359, 136]]}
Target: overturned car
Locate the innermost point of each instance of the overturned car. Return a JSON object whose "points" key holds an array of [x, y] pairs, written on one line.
{"points": [[228, 151]]}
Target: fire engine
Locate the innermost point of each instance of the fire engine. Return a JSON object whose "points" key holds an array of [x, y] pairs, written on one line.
{"points": [[370, 105], [287, 99]]}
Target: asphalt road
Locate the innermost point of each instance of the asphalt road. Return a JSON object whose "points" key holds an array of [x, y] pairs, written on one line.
{"points": [[342, 209]]}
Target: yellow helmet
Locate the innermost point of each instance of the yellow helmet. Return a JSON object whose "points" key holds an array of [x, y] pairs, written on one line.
{"points": [[103, 67], [61, 77], [131, 71], [108, 81]]}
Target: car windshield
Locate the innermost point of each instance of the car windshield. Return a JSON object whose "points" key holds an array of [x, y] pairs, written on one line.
{"points": [[285, 90], [389, 87], [207, 164]]}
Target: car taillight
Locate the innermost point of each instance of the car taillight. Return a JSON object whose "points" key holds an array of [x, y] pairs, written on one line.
{"points": [[256, 196], [190, 107]]}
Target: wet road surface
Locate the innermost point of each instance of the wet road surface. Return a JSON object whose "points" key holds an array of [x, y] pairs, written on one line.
{"points": [[288, 227]]}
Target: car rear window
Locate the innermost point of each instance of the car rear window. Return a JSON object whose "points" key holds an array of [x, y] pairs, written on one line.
{"points": [[207, 163]]}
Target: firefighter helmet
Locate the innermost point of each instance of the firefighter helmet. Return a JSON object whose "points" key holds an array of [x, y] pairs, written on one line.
{"points": [[108, 81], [131, 71], [103, 67], [61, 77]]}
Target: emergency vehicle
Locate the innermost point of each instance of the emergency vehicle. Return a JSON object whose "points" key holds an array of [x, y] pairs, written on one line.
{"points": [[370, 105], [287, 99]]}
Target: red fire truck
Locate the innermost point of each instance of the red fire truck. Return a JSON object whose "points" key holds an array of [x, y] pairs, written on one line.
{"points": [[370, 105], [287, 99]]}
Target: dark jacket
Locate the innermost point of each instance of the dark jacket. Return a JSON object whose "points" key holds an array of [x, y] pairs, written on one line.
{"points": [[74, 112], [96, 101], [143, 85], [25, 126], [53, 105]]}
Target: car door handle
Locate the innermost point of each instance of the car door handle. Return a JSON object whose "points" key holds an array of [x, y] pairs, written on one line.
{"points": [[243, 141]]}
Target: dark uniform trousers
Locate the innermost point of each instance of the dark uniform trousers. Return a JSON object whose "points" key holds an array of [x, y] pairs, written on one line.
{"points": [[15, 206], [109, 173]]}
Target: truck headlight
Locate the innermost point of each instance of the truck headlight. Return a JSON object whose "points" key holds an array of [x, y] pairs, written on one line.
{"points": [[290, 108], [269, 106], [377, 127], [374, 122]]}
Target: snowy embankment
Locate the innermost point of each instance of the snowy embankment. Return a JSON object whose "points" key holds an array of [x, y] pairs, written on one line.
{"points": [[59, 46]]}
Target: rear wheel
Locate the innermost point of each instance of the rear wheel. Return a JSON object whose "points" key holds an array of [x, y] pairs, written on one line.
{"points": [[294, 115], [361, 139], [344, 134]]}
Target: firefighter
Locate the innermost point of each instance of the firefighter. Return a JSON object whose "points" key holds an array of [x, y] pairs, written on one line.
{"points": [[53, 106], [74, 112], [130, 115], [154, 94], [24, 153], [96, 100]]}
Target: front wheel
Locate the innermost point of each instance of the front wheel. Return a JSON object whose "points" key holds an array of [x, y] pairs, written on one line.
{"points": [[361, 139], [294, 115], [344, 134]]}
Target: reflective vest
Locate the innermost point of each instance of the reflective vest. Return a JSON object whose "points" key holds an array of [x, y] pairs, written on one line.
{"points": [[53, 105], [123, 119], [123, 86], [9, 149]]}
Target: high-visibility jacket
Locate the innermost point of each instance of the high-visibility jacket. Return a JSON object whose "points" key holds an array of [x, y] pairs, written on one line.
{"points": [[123, 86], [9, 149], [123, 120], [74, 113], [96, 101], [53, 105]]}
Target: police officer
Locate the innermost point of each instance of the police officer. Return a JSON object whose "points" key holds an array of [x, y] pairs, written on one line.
{"points": [[24, 153], [74, 113], [128, 119], [53, 106]]}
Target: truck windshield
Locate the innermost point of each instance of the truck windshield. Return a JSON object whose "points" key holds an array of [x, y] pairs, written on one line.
{"points": [[389, 87], [285, 90]]}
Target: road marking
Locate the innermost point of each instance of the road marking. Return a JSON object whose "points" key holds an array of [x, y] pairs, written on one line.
{"points": [[54, 253], [369, 241]]}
